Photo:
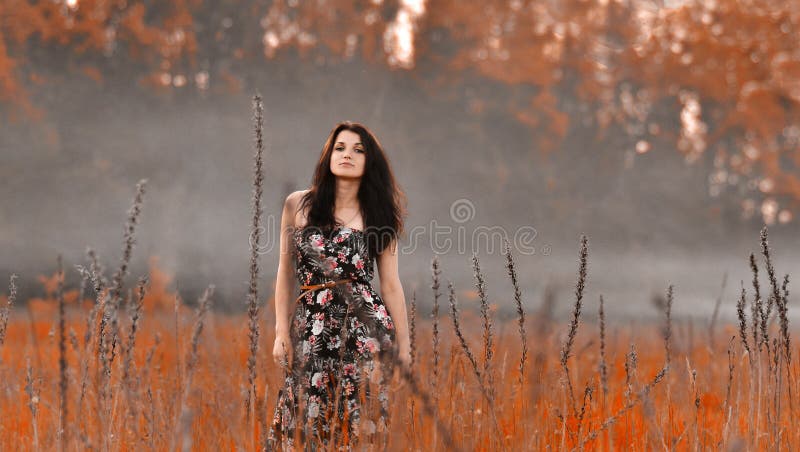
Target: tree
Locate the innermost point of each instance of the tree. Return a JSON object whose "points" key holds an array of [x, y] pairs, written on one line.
{"points": [[718, 81]]}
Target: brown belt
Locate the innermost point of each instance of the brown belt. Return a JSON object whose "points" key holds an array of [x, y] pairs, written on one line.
{"points": [[314, 287]]}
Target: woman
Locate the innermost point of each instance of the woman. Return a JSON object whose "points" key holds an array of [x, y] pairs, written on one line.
{"points": [[329, 338]]}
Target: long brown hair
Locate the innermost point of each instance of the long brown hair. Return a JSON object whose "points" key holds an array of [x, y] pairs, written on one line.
{"points": [[382, 201]]}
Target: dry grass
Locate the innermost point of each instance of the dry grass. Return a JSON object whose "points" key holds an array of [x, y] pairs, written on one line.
{"points": [[166, 392]]}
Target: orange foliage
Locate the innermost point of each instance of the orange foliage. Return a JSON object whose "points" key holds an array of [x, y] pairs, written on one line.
{"points": [[50, 283], [89, 29], [621, 63], [158, 297]]}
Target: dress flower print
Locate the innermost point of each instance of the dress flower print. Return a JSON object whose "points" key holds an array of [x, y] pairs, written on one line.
{"points": [[337, 334]]}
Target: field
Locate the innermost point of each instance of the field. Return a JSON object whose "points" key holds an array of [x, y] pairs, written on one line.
{"points": [[180, 377]]}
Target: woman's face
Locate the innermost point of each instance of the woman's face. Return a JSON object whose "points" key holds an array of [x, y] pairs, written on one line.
{"points": [[348, 157]]}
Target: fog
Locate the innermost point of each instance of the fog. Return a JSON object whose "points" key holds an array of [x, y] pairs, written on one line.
{"points": [[68, 182]]}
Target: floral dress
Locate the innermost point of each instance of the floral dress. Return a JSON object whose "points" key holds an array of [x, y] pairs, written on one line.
{"points": [[337, 335]]}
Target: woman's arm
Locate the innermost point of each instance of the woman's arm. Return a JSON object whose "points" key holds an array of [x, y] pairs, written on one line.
{"points": [[393, 296], [284, 283]]}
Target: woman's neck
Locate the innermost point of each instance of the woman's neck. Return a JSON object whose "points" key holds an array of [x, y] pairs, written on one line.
{"points": [[346, 193]]}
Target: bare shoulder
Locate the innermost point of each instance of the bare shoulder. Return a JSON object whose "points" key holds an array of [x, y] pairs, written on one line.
{"points": [[293, 199], [293, 204]]}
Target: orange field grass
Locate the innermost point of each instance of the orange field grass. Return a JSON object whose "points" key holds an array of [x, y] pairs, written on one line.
{"points": [[714, 395]]}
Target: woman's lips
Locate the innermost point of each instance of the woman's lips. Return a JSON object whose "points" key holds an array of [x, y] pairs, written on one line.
{"points": [[346, 164]]}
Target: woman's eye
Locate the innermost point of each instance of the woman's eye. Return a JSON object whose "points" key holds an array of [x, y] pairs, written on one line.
{"points": [[360, 150], [339, 149]]}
